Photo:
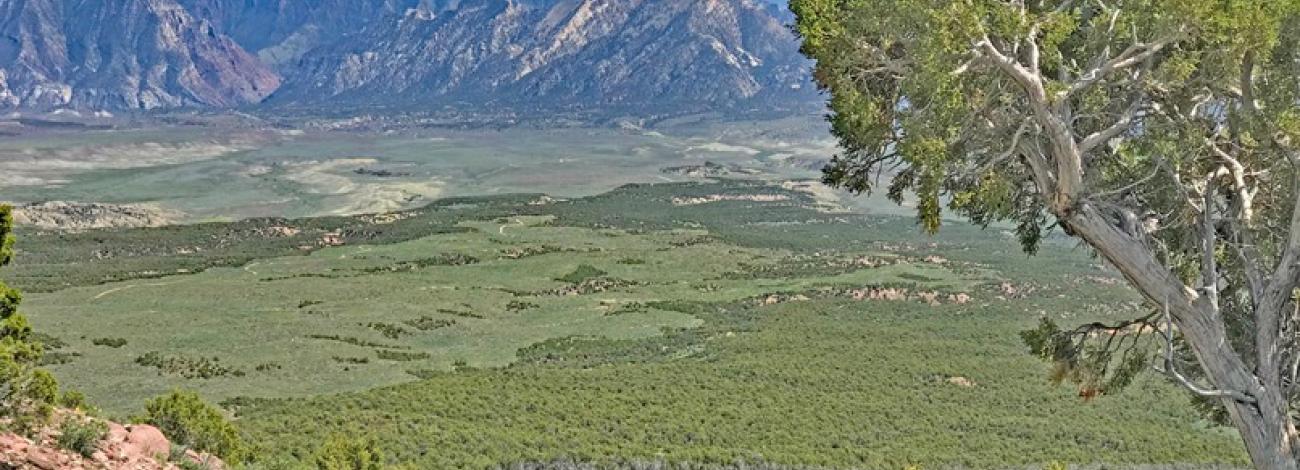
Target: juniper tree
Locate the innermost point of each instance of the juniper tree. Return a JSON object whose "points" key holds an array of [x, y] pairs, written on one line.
{"points": [[24, 389], [1164, 134]]}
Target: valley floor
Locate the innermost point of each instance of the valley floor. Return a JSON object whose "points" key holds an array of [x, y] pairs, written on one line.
{"points": [[707, 322]]}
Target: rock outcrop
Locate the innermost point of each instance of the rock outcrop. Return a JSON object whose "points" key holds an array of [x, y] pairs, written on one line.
{"points": [[59, 215], [135, 447]]}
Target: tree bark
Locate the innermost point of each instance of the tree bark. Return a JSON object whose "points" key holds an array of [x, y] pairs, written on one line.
{"points": [[1265, 426]]}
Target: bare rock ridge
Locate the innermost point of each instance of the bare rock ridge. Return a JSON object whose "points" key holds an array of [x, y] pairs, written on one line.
{"points": [[638, 55]]}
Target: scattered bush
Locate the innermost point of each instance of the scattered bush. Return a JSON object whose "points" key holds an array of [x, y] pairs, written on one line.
{"points": [[267, 367], [81, 435], [634, 307], [351, 360], [519, 306], [356, 341], [460, 313], [54, 358], [110, 342], [389, 330], [446, 259], [530, 251], [187, 420], [188, 367], [49, 342], [427, 323], [401, 356]]}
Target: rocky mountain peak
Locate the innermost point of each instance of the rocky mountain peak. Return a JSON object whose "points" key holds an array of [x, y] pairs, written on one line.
{"points": [[635, 56]]}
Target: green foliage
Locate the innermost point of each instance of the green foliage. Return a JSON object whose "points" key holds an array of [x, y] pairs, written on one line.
{"points": [[351, 360], [520, 305], [28, 392], [428, 323], [188, 367], [401, 356], [581, 274], [852, 392], [1172, 123], [342, 452], [356, 341], [905, 91], [187, 420], [787, 248], [389, 330], [1097, 358], [56, 260], [73, 400], [694, 375], [81, 435], [109, 342]]}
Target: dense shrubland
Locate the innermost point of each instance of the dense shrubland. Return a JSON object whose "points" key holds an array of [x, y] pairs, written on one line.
{"points": [[815, 379]]}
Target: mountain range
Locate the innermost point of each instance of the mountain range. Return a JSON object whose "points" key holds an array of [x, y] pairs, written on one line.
{"points": [[633, 56]]}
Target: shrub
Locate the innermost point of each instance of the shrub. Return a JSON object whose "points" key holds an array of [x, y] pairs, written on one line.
{"points": [[340, 452], [519, 306], [72, 399], [389, 330], [401, 356], [188, 367], [29, 392], [110, 342], [268, 366], [43, 388], [583, 273], [54, 358], [462, 314], [427, 323], [81, 435], [187, 420]]}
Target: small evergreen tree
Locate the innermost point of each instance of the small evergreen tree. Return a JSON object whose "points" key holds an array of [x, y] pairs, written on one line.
{"points": [[25, 391], [189, 421]]}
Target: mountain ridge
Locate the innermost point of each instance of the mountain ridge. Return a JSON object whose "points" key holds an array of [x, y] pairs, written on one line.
{"points": [[121, 54], [623, 56]]}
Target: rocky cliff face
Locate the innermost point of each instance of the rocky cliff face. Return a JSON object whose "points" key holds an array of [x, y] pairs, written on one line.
{"points": [[634, 54], [121, 54], [618, 55], [281, 31]]}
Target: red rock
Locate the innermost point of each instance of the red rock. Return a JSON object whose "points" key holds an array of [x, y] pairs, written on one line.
{"points": [[147, 441], [116, 433], [44, 459]]}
